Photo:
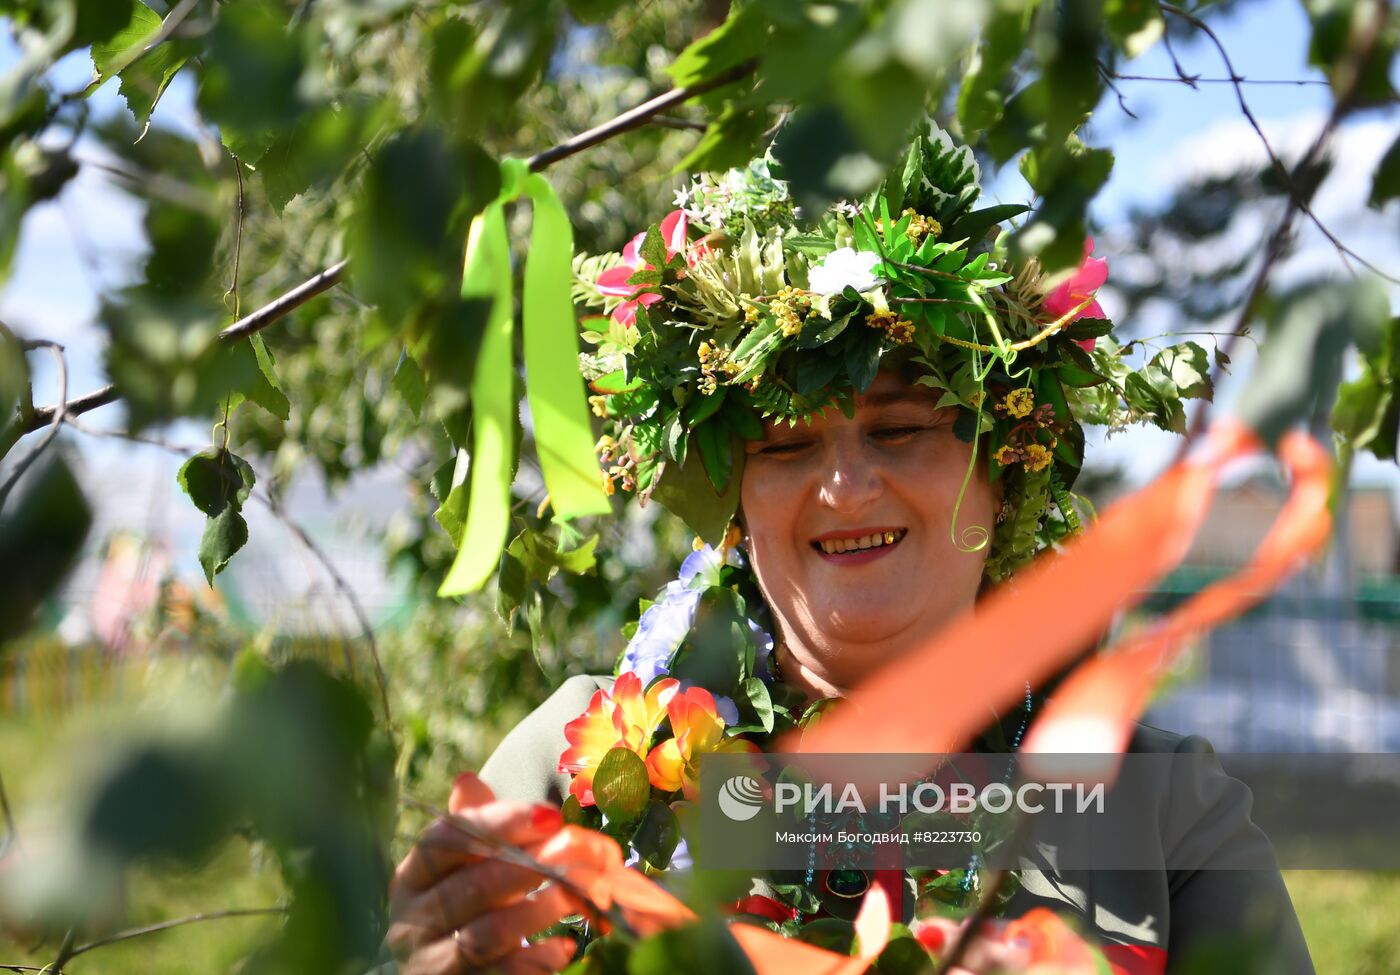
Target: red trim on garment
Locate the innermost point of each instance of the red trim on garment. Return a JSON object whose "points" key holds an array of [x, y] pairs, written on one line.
{"points": [[1135, 959], [765, 907]]}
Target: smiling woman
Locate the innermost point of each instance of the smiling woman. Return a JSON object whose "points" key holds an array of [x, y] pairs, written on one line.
{"points": [[847, 524], [870, 420]]}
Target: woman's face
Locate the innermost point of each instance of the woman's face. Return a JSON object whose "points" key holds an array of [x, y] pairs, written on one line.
{"points": [[889, 476]]}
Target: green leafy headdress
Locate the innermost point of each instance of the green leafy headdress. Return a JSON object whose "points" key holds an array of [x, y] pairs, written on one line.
{"points": [[736, 307]]}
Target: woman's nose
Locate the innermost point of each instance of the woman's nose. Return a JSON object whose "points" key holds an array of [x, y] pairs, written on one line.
{"points": [[850, 482]]}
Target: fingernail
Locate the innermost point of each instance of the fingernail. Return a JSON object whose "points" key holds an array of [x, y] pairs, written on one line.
{"points": [[465, 779], [545, 818]]}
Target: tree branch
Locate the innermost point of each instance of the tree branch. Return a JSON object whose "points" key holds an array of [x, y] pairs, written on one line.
{"points": [[241, 329], [1340, 107], [634, 117], [1359, 56], [177, 922], [331, 276], [55, 421]]}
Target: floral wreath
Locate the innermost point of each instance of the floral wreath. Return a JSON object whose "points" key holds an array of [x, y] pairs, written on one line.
{"points": [[737, 307], [734, 308]]}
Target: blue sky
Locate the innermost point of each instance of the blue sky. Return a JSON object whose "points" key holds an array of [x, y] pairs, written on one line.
{"points": [[88, 239]]}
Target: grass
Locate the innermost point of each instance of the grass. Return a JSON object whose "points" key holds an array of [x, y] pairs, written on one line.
{"points": [[1348, 917]]}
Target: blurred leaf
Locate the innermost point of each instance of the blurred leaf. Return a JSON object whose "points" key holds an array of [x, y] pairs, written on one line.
{"points": [[1134, 25], [159, 801], [730, 141], [982, 95], [183, 243], [1367, 411], [1308, 332], [1387, 181], [14, 376], [594, 11], [823, 160], [1336, 26], [741, 37], [701, 948], [410, 383], [250, 82], [42, 528], [411, 217], [166, 360], [1066, 177], [316, 149]]}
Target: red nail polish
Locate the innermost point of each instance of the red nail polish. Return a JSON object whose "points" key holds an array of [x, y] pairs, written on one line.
{"points": [[465, 779], [546, 819]]}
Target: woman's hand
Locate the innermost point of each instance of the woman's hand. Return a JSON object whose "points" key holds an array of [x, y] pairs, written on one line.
{"points": [[454, 909]]}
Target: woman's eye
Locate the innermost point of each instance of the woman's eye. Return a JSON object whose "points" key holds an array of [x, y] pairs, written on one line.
{"points": [[897, 433], [778, 449]]}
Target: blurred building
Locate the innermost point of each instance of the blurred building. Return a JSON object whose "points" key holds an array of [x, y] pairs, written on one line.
{"points": [[1315, 667]]}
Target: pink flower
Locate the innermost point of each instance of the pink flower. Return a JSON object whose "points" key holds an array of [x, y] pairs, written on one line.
{"points": [[1090, 276], [614, 280]]}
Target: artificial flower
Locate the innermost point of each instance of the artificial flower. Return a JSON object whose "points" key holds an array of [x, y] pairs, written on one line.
{"points": [[625, 718], [698, 730], [1082, 284], [669, 619], [614, 280], [1051, 945], [844, 268]]}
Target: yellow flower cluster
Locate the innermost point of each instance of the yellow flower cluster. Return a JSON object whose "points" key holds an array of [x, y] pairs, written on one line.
{"points": [[598, 405], [1023, 445], [752, 311], [921, 226], [1037, 457], [714, 361], [1020, 402], [898, 330], [790, 306]]}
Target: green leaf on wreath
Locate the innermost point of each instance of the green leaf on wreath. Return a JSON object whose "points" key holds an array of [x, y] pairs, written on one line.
{"points": [[621, 787], [656, 835]]}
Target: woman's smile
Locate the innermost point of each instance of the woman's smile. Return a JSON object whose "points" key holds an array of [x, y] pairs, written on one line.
{"points": [[858, 547]]}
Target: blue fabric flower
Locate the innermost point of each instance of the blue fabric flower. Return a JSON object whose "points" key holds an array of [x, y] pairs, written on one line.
{"points": [[666, 622]]}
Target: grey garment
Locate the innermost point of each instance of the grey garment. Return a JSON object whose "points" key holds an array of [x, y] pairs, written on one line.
{"points": [[1242, 920]]}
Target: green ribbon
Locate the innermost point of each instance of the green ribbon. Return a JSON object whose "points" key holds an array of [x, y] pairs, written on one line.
{"points": [[553, 388]]}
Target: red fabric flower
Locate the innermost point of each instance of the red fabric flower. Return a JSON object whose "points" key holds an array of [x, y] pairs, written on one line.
{"points": [[1090, 276], [614, 280]]}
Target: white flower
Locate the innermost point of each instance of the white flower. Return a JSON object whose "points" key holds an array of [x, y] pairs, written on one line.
{"points": [[842, 268]]}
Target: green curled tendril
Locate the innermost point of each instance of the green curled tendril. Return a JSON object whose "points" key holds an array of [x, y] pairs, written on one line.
{"points": [[973, 538]]}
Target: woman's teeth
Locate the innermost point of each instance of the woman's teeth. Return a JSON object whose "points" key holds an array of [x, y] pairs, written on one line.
{"points": [[836, 546]]}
